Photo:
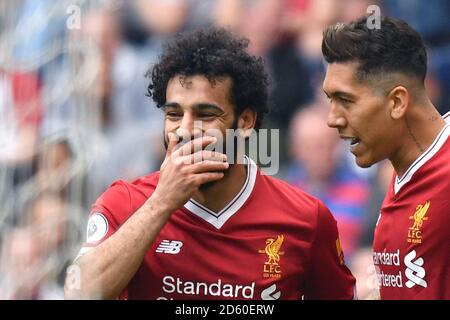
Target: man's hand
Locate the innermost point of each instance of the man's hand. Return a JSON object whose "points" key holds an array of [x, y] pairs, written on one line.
{"points": [[185, 169]]}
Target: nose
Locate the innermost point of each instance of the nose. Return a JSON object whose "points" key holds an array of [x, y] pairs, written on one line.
{"points": [[189, 128], [335, 118], [187, 122]]}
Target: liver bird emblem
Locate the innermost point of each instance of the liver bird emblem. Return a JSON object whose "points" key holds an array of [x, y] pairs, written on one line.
{"points": [[419, 215], [273, 249]]}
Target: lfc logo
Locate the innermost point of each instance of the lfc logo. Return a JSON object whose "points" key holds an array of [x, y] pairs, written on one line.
{"points": [[272, 268], [414, 232]]}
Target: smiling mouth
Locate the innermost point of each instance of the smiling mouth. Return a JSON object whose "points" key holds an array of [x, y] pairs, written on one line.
{"points": [[353, 142]]}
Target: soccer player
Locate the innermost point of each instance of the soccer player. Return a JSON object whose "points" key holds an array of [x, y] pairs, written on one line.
{"points": [[209, 229], [375, 82]]}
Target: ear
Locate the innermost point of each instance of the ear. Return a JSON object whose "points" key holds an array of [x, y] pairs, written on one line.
{"points": [[399, 101], [247, 121]]}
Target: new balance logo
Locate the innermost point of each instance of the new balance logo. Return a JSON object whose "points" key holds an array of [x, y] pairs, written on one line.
{"points": [[414, 271], [271, 293], [171, 247]]}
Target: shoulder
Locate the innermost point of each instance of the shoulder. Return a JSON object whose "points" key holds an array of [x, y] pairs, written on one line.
{"points": [[123, 198], [441, 161], [434, 163], [145, 183], [281, 186], [447, 117], [303, 203]]}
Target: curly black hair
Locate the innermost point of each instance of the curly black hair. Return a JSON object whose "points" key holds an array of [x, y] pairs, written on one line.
{"points": [[213, 53]]}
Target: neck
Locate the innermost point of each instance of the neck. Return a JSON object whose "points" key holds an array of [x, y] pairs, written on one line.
{"points": [[422, 126], [217, 195]]}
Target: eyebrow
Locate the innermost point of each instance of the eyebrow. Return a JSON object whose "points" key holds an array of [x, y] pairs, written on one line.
{"points": [[340, 94], [197, 107]]}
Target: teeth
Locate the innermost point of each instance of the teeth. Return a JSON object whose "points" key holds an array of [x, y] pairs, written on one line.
{"points": [[348, 142], [354, 141]]}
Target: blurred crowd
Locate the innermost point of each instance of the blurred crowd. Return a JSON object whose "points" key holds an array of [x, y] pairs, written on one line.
{"points": [[74, 115]]}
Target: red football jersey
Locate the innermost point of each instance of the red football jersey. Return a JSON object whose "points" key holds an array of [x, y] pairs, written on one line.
{"points": [[412, 236], [272, 241]]}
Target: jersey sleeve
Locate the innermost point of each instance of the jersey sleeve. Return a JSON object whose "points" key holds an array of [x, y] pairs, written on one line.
{"points": [[328, 276], [107, 214]]}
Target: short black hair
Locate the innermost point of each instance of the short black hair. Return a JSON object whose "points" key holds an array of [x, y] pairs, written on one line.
{"points": [[395, 47], [213, 53]]}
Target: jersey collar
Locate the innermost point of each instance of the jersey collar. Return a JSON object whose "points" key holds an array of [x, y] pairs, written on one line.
{"points": [[218, 219], [427, 155]]}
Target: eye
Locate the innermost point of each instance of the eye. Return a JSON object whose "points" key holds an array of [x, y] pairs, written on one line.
{"points": [[206, 115], [173, 114], [345, 102]]}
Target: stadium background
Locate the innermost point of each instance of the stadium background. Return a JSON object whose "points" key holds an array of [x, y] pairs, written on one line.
{"points": [[74, 116]]}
